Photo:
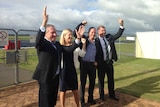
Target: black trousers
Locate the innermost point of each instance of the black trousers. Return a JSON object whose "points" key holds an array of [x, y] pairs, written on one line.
{"points": [[48, 93], [104, 68], [87, 68]]}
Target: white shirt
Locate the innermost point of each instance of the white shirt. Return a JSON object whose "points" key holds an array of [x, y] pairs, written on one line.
{"points": [[78, 52], [104, 47]]}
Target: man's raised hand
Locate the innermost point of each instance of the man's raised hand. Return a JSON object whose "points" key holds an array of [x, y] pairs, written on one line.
{"points": [[45, 16]]}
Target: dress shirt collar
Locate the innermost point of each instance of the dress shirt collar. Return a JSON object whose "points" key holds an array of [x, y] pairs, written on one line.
{"points": [[49, 40], [101, 38]]}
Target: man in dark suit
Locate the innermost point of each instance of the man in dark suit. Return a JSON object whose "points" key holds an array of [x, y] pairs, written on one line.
{"points": [[82, 24], [47, 70], [105, 54]]}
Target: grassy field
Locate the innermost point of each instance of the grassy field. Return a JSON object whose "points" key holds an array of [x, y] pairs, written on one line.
{"points": [[136, 76]]}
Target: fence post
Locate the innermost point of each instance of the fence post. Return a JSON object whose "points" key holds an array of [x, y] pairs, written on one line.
{"points": [[17, 59]]}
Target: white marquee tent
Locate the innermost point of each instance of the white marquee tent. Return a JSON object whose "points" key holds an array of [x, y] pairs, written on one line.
{"points": [[148, 45]]}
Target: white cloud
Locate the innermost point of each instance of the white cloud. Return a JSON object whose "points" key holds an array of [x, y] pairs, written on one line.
{"points": [[138, 15], [153, 7]]}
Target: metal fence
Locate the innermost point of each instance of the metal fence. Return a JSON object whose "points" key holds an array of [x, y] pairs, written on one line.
{"points": [[17, 63], [13, 56]]}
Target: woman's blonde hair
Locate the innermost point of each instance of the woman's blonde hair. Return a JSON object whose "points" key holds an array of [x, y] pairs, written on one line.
{"points": [[64, 32]]}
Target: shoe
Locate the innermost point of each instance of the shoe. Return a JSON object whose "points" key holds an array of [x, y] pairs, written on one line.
{"points": [[83, 104], [92, 101], [114, 98], [102, 98]]}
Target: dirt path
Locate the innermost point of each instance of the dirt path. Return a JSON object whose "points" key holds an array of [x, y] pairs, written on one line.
{"points": [[25, 95]]}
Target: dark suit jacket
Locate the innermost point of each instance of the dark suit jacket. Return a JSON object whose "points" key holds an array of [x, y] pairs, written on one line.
{"points": [[77, 28], [111, 39], [48, 59]]}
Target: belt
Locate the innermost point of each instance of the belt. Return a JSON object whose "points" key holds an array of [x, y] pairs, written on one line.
{"points": [[108, 61], [88, 62]]}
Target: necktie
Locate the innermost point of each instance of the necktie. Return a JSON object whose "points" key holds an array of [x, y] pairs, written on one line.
{"points": [[107, 53], [53, 45], [57, 72]]}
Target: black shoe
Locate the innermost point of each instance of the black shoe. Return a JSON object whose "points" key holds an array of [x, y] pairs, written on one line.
{"points": [[92, 101], [83, 104], [114, 98], [102, 98]]}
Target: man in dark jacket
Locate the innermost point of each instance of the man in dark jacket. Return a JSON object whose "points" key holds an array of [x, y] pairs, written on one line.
{"points": [[105, 54], [47, 70], [88, 65]]}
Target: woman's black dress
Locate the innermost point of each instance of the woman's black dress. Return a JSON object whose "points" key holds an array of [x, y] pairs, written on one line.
{"points": [[68, 76]]}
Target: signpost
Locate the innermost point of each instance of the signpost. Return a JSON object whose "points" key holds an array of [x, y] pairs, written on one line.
{"points": [[3, 38]]}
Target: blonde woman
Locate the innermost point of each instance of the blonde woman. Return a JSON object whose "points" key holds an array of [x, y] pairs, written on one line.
{"points": [[68, 76]]}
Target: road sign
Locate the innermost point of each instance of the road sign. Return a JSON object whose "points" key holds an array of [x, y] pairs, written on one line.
{"points": [[3, 38], [32, 38]]}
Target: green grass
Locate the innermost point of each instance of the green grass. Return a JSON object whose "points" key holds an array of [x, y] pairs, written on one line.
{"points": [[32, 60], [19, 37], [126, 48], [138, 77]]}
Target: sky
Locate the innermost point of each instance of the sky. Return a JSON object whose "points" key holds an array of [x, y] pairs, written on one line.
{"points": [[138, 15]]}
